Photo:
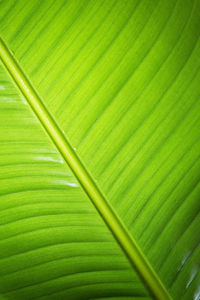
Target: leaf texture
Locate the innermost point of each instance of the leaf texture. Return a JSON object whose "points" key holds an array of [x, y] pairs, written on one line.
{"points": [[121, 79], [53, 243]]}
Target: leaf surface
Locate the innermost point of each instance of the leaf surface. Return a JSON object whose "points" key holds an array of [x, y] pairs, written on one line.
{"points": [[53, 243], [121, 80]]}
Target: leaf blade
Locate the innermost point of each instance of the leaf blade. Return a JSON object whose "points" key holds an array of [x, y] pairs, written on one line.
{"points": [[138, 162], [116, 226], [52, 241]]}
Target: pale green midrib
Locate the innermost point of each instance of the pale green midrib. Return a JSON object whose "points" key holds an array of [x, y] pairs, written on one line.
{"points": [[121, 234]]}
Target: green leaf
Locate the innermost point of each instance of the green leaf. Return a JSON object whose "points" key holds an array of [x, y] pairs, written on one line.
{"points": [[113, 93], [53, 243]]}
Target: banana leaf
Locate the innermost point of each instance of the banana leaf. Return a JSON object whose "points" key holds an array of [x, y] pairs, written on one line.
{"points": [[99, 149]]}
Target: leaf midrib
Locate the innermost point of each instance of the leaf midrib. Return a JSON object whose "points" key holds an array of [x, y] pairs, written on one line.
{"points": [[70, 156]]}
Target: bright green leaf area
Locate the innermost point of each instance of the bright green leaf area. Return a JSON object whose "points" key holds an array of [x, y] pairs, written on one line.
{"points": [[53, 243], [121, 78]]}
